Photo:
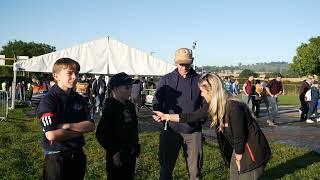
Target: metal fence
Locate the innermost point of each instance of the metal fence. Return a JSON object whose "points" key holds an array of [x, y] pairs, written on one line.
{"points": [[4, 105]]}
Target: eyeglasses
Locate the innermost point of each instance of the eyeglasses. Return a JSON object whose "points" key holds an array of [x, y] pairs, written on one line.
{"points": [[206, 78]]}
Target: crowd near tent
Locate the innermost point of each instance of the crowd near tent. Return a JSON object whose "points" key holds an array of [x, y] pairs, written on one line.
{"points": [[103, 56]]}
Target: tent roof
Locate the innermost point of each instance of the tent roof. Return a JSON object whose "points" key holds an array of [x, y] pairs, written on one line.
{"points": [[102, 56]]}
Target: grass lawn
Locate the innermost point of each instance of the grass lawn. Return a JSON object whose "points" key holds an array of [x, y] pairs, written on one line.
{"points": [[21, 156], [289, 100]]}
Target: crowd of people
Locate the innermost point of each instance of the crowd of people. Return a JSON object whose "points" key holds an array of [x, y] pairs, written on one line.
{"points": [[309, 96], [183, 101]]}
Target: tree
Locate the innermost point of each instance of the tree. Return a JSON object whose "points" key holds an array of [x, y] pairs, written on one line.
{"points": [[246, 73], [20, 48], [306, 61]]}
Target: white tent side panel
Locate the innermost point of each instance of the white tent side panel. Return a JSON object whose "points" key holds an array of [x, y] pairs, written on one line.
{"points": [[102, 56]]}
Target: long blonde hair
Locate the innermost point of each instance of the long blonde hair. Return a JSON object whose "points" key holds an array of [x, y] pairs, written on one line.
{"points": [[217, 105]]}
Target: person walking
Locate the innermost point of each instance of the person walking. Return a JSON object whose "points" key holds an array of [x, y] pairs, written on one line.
{"points": [[274, 90]]}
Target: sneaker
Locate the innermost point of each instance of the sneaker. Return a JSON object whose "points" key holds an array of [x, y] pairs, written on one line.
{"points": [[300, 112], [271, 123], [318, 119], [313, 115], [309, 121]]}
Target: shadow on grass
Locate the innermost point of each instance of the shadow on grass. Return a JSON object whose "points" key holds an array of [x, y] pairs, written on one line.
{"points": [[5, 141], [292, 165]]}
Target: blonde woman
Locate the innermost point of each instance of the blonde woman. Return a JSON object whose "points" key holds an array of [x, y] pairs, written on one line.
{"points": [[243, 146]]}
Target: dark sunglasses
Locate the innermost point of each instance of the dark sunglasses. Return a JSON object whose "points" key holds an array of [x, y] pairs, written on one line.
{"points": [[206, 78]]}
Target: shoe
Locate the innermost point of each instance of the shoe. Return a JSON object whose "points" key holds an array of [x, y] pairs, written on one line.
{"points": [[300, 112], [271, 123], [309, 121], [313, 115], [318, 119]]}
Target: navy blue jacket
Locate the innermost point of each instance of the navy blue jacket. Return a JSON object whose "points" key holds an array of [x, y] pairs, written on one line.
{"points": [[176, 95], [56, 108]]}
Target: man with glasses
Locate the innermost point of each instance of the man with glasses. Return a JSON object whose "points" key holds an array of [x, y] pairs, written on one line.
{"points": [[178, 92]]}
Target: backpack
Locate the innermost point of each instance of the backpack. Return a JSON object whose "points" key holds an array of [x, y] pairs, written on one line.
{"points": [[259, 88]]}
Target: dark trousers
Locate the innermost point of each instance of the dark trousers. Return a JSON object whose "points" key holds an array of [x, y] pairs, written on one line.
{"points": [[256, 107], [65, 165], [304, 109], [124, 172], [170, 144]]}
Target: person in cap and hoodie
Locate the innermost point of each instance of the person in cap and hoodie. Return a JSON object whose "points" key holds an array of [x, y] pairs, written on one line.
{"points": [[117, 131], [178, 92]]}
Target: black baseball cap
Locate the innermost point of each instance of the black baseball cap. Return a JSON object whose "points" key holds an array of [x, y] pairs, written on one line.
{"points": [[120, 79]]}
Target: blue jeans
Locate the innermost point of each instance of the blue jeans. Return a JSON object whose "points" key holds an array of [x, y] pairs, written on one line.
{"points": [[99, 101], [312, 108], [274, 106]]}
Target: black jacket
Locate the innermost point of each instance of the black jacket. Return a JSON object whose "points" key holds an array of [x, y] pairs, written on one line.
{"points": [[117, 130], [242, 134]]}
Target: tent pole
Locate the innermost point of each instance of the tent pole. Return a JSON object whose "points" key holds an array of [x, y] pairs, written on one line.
{"points": [[14, 82]]}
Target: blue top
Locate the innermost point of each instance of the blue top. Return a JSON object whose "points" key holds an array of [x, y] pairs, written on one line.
{"points": [[57, 108], [235, 89]]}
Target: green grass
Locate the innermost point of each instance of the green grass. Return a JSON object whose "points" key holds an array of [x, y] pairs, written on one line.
{"points": [[22, 157], [289, 100]]}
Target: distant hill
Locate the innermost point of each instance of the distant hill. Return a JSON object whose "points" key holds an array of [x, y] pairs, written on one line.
{"points": [[281, 67]]}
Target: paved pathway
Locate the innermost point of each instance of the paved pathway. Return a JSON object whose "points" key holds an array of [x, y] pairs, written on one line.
{"points": [[289, 131]]}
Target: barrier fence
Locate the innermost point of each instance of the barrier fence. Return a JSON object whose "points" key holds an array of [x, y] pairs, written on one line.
{"points": [[4, 105]]}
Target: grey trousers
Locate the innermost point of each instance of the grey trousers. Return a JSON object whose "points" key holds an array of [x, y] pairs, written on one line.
{"points": [[170, 144], [251, 175]]}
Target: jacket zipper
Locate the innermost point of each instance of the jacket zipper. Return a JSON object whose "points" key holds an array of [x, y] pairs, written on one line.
{"points": [[250, 153]]}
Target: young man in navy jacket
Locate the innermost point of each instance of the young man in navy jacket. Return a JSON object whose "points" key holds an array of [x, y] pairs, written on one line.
{"points": [[64, 118]]}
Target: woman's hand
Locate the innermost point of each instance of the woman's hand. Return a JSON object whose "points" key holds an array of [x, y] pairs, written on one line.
{"points": [[116, 159], [158, 116], [238, 159]]}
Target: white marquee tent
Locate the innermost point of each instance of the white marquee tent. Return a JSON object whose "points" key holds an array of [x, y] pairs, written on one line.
{"points": [[103, 56]]}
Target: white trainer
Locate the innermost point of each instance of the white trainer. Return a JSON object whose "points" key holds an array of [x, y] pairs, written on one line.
{"points": [[318, 119], [309, 121]]}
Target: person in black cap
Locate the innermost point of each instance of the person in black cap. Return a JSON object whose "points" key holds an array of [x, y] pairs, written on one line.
{"points": [[117, 131]]}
